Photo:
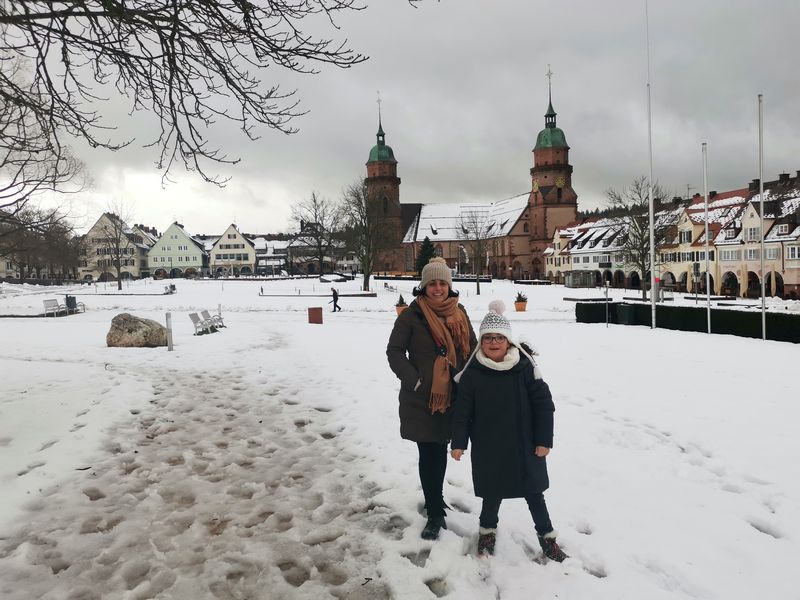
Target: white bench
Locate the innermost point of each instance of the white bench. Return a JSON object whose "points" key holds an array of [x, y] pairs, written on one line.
{"points": [[202, 326], [215, 319], [53, 306]]}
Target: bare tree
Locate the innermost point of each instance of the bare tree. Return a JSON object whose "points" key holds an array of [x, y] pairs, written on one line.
{"points": [[319, 221], [476, 228], [189, 63], [31, 166], [631, 205], [119, 241], [367, 232]]}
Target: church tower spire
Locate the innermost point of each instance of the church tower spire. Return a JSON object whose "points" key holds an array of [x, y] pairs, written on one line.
{"points": [[552, 201]]}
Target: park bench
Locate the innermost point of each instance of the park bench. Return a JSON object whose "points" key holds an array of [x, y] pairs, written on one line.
{"points": [[202, 326], [53, 306], [215, 319]]}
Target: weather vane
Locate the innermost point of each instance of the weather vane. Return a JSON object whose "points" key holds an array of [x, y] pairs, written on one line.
{"points": [[549, 81]]}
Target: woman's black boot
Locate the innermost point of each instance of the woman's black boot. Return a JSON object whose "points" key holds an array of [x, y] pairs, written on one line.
{"points": [[432, 528]]}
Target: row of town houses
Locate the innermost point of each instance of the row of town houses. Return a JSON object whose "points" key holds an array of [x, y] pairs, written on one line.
{"points": [[143, 252], [593, 252], [590, 252]]}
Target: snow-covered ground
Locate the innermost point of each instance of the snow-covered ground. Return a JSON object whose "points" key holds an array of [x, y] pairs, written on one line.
{"points": [[265, 462]]}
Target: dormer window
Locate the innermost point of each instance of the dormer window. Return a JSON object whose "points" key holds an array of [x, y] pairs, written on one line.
{"points": [[783, 229], [685, 237], [730, 234]]}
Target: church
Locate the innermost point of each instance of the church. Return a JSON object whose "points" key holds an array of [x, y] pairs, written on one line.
{"points": [[517, 230]]}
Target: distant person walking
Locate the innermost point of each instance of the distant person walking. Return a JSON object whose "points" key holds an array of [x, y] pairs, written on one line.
{"points": [[336, 300], [430, 342]]}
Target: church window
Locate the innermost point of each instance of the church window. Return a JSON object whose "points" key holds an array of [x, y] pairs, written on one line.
{"points": [[525, 227]]}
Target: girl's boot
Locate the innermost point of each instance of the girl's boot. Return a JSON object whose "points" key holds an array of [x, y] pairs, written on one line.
{"points": [[551, 548], [486, 541]]}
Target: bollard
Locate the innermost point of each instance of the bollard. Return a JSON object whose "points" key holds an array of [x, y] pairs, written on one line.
{"points": [[169, 332]]}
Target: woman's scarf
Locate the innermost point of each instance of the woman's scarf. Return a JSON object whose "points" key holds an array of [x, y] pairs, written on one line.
{"points": [[452, 339]]}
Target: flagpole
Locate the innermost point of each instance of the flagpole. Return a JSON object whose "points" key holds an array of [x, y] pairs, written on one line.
{"points": [[761, 210], [708, 275], [650, 181]]}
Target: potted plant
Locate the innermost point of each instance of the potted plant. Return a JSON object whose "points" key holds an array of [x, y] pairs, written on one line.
{"points": [[520, 302], [400, 305]]}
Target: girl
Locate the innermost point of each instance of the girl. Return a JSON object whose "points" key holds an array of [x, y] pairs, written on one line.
{"points": [[506, 409]]}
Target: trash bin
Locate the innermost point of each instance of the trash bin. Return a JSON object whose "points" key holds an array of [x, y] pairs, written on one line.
{"points": [[72, 304], [315, 315]]}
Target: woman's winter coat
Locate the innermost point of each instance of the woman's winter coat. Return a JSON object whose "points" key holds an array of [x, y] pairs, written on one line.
{"points": [[411, 352], [505, 414]]}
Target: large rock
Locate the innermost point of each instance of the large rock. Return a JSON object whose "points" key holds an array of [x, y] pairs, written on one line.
{"points": [[128, 331]]}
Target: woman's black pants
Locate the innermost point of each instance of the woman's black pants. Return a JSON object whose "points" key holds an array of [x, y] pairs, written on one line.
{"points": [[432, 465]]}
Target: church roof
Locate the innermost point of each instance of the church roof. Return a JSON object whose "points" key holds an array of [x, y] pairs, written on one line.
{"points": [[442, 222], [551, 137], [381, 152]]}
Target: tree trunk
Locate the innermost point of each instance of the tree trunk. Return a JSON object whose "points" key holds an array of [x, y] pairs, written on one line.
{"points": [[367, 276]]}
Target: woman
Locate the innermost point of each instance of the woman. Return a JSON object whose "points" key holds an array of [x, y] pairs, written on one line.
{"points": [[431, 340]]}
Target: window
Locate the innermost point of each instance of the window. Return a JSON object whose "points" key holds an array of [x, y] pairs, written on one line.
{"points": [[752, 254], [783, 228], [231, 236], [219, 256], [585, 259], [730, 234], [753, 234], [525, 228], [245, 257], [180, 259], [793, 252], [729, 255], [685, 237], [772, 253]]}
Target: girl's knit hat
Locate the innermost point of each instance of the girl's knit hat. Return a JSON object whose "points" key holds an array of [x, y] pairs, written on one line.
{"points": [[495, 322]]}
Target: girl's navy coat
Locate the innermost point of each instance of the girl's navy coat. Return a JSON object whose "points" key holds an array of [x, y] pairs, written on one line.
{"points": [[506, 414]]}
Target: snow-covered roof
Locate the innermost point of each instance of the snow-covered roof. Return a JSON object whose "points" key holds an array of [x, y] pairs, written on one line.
{"points": [[442, 222]]}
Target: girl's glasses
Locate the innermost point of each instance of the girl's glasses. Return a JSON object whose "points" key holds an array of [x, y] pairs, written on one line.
{"points": [[493, 338]]}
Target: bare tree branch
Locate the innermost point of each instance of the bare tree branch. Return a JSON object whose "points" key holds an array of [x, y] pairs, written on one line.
{"points": [[184, 61]]}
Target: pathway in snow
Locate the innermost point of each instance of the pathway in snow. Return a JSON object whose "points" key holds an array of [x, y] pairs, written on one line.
{"points": [[226, 489]]}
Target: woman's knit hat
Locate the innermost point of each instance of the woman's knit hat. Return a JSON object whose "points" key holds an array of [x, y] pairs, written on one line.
{"points": [[495, 322], [436, 269]]}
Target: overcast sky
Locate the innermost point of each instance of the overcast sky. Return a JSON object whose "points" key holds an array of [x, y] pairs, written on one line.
{"points": [[464, 93]]}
